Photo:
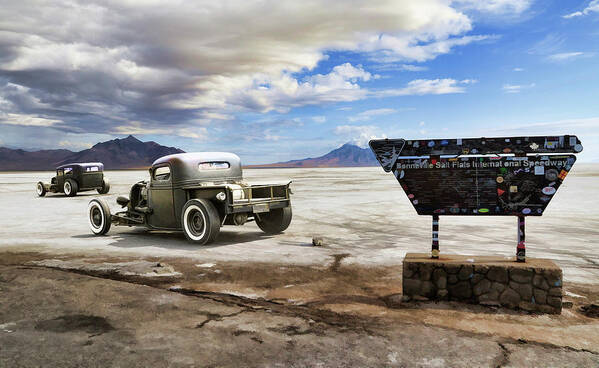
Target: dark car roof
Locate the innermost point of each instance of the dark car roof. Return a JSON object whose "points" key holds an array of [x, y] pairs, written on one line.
{"points": [[82, 164], [185, 166]]}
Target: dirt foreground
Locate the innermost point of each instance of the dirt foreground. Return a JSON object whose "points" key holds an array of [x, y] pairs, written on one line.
{"points": [[75, 311]]}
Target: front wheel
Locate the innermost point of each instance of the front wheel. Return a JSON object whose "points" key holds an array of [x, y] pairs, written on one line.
{"points": [[200, 221], [70, 187], [99, 216], [105, 187], [40, 189], [275, 221]]}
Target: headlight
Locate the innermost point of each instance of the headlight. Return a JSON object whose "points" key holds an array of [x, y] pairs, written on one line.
{"points": [[221, 196], [238, 194]]}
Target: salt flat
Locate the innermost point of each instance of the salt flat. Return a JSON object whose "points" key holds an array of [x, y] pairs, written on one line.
{"points": [[362, 212]]}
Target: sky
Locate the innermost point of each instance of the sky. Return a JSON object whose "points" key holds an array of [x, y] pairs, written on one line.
{"points": [[276, 80]]}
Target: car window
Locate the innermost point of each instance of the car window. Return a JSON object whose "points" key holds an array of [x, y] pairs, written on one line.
{"points": [[214, 165], [92, 168], [59, 172], [67, 170], [162, 173]]}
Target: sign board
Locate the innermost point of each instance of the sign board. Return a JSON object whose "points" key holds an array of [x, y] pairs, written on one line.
{"points": [[460, 177], [515, 176]]}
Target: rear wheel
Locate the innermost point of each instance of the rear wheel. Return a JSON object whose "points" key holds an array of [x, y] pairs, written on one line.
{"points": [[98, 216], [200, 221], [275, 221], [40, 189], [70, 187], [105, 187]]}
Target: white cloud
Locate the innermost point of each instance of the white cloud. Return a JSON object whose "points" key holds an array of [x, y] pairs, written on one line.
{"points": [[319, 119], [426, 87], [592, 7], [186, 59], [516, 88], [358, 134], [137, 128], [284, 92], [390, 48], [26, 120], [392, 67], [74, 145], [518, 69], [563, 56], [368, 114], [495, 6]]}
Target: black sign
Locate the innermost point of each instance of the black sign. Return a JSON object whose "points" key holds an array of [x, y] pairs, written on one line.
{"points": [[459, 177]]}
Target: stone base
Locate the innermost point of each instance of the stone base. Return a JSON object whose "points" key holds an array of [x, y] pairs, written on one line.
{"points": [[533, 286]]}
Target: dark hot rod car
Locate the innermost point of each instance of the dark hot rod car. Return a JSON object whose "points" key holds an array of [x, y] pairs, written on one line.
{"points": [[76, 177], [196, 193]]}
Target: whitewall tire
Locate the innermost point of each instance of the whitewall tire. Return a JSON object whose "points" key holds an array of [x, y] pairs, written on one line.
{"points": [[98, 216], [200, 221]]}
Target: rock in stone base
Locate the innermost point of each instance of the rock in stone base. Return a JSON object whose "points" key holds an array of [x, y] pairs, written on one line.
{"points": [[532, 286]]}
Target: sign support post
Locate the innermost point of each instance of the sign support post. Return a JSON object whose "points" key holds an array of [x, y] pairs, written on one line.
{"points": [[521, 248], [435, 246]]}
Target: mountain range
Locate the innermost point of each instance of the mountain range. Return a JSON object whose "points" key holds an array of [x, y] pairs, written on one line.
{"points": [[126, 153], [131, 153], [348, 155]]}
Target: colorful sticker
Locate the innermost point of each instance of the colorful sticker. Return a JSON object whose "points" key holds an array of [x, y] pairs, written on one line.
{"points": [[507, 150], [431, 143], [444, 142], [562, 174], [548, 190], [459, 141], [526, 211], [483, 210], [500, 191], [410, 196], [544, 198], [513, 189], [578, 148], [534, 146], [551, 174], [415, 201], [539, 170]]}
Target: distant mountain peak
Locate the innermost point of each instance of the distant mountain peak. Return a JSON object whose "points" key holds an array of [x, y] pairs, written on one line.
{"points": [[119, 153], [347, 155]]}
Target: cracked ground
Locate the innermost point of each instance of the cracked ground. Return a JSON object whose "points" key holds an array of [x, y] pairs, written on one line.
{"points": [[136, 298], [81, 312]]}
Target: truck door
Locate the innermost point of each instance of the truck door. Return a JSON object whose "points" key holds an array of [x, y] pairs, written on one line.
{"points": [[160, 198]]}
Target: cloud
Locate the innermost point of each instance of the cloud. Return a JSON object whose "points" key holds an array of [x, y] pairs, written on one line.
{"points": [[92, 67], [593, 7], [74, 145], [392, 67], [564, 56], [358, 134], [516, 88], [319, 119], [26, 120], [368, 114], [427, 87], [496, 6], [518, 69], [391, 49]]}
